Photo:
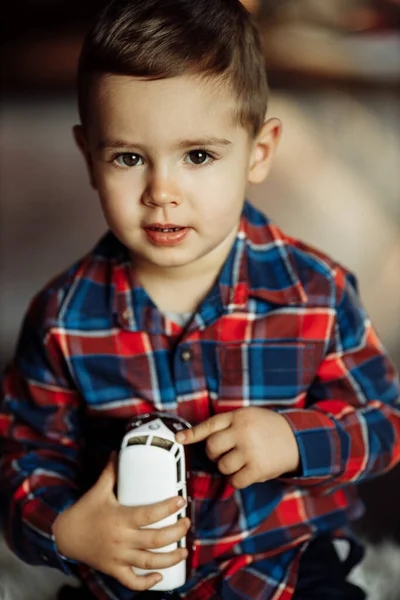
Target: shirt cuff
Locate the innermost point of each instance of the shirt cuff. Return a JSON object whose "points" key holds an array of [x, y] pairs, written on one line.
{"points": [[42, 545], [319, 441]]}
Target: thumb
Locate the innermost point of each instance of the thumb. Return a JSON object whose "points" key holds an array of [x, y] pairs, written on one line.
{"points": [[108, 477]]}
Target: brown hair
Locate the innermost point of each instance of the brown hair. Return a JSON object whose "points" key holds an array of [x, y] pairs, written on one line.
{"points": [[166, 38]]}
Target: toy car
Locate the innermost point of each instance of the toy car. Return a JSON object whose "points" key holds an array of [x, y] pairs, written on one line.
{"points": [[152, 468]]}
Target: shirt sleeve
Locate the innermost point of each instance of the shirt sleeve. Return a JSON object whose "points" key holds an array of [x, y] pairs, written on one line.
{"points": [[350, 428], [39, 441]]}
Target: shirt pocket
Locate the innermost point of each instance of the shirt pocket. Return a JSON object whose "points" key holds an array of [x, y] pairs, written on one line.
{"points": [[273, 374]]}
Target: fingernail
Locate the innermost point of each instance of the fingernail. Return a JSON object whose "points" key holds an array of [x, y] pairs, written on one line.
{"points": [[180, 437], [158, 578], [180, 502]]}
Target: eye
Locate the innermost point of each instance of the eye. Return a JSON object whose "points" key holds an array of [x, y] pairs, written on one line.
{"points": [[128, 159], [200, 157]]}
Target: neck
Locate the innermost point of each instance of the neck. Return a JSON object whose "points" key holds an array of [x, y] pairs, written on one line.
{"points": [[189, 284]]}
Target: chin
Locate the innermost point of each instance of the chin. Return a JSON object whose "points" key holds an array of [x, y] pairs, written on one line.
{"points": [[171, 264], [168, 257]]}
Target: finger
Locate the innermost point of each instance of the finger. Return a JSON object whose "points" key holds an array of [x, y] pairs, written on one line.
{"points": [[204, 430], [152, 561], [242, 479], [139, 583], [231, 463], [150, 539], [220, 443], [142, 516]]}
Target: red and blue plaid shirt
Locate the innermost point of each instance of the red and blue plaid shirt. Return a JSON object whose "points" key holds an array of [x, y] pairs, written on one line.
{"points": [[282, 328]]}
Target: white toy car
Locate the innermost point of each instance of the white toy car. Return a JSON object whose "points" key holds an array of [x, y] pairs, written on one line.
{"points": [[152, 467]]}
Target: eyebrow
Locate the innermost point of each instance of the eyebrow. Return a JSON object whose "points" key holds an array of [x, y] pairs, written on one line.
{"points": [[208, 141]]}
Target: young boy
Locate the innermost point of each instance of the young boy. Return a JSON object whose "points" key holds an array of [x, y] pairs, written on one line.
{"points": [[196, 304]]}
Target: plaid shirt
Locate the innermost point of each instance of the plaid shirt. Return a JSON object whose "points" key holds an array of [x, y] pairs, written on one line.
{"points": [[282, 328]]}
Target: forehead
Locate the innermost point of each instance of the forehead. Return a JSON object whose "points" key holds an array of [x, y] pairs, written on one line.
{"points": [[165, 108]]}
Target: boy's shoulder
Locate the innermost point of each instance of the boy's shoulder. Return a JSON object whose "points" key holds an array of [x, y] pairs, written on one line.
{"points": [[320, 278], [83, 290]]}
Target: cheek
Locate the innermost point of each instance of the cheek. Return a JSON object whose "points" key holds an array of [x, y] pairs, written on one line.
{"points": [[221, 191], [118, 192], [218, 218]]}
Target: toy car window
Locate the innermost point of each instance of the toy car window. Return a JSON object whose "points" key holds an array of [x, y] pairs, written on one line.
{"points": [[173, 422], [138, 440], [162, 443]]}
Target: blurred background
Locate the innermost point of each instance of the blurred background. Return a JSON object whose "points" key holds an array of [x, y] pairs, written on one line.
{"points": [[334, 72]]}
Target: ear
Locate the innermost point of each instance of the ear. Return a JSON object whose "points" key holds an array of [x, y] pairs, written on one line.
{"points": [[264, 147], [83, 145]]}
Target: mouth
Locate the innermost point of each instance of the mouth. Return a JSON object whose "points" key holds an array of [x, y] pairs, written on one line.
{"points": [[166, 234], [165, 228]]}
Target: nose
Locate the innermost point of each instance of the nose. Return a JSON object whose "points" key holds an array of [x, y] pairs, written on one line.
{"points": [[161, 190]]}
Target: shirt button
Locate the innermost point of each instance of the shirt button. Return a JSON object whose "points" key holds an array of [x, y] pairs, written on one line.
{"points": [[127, 314], [186, 355], [44, 557]]}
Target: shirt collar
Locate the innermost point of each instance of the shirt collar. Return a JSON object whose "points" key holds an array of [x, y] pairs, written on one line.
{"points": [[261, 265], [271, 273]]}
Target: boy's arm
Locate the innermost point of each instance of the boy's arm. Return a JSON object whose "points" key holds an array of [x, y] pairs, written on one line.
{"points": [[39, 433], [350, 429]]}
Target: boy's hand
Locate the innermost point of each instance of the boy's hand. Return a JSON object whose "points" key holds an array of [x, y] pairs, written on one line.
{"points": [[107, 536], [251, 444]]}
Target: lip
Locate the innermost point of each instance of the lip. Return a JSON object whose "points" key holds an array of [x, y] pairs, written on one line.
{"points": [[165, 238]]}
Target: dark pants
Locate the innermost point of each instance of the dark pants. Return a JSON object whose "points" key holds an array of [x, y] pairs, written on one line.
{"points": [[322, 576]]}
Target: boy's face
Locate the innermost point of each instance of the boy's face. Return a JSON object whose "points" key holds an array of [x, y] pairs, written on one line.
{"points": [[171, 166]]}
